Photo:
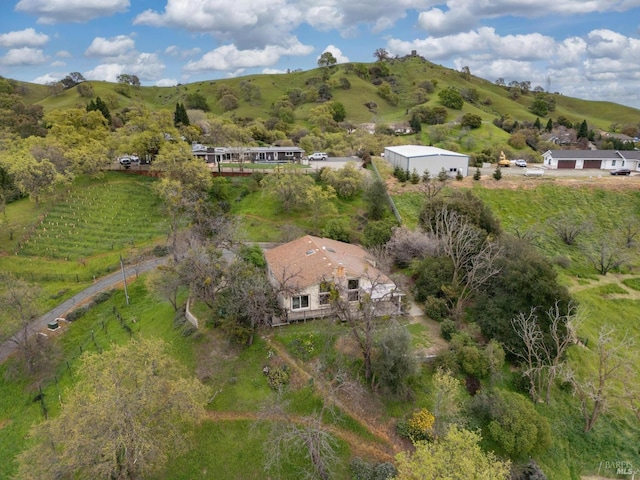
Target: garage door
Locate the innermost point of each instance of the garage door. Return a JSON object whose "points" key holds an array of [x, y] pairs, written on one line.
{"points": [[566, 164], [592, 163]]}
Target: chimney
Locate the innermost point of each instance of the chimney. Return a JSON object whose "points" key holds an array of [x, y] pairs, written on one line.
{"points": [[340, 271]]}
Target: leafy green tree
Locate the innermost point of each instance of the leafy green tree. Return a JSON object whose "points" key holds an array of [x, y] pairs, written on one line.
{"points": [[539, 106], [527, 279], [180, 116], [128, 79], [451, 98], [289, 187], [583, 131], [319, 201], [127, 411], [537, 124], [376, 200], [197, 101], [394, 363], [339, 112], [327, 60], [497, 174], [337, 230], [177, 162], [549, 125], [347, 181], [456, 456], [471, 120], [516, 426], [448, 402]]}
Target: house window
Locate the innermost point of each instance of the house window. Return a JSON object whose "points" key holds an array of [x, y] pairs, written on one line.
{"points": [[324, 293], [353, 290], [613, 163], [453, 169], [288, 154], [299, 302]]}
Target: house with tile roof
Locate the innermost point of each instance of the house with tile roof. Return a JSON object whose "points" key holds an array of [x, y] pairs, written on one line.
{"points": [[597, 159], [307, 271]]}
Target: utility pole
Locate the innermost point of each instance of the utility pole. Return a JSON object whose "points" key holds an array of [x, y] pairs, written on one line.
{"points": [[124, 280]]}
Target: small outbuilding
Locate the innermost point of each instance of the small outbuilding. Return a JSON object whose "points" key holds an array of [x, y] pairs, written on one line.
{"points": [[421, 158]]}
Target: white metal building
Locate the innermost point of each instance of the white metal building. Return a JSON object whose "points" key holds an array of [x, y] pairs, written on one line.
{"points": [[421, 158]]}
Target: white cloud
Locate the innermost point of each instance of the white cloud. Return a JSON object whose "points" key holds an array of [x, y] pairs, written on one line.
{"points": [[166, 82], [112, 47], [147, 66], [58, 63], [23, 38], [337, 53], [46, 79], [65, 11], [272, 71], [23, 56], [464, 14], [176, 51], [228, 57], [64, 54], [246, 23]]}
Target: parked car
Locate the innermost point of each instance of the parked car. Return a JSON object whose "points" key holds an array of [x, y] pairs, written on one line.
{"points": [[621, 171], [520, 163], [318, 156]]}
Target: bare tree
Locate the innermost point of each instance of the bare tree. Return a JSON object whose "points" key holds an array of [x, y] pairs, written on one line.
{"points": [[204, 270], [406, 245], [360, 303], [166, 283], [604, 256], [304, 436], [472, 255], [631, 231], [544, 359], [568, 228], [432, 186], [18, 300], [596, 391]]}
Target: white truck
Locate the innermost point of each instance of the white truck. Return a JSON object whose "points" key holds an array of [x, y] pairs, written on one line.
{"points": [[318, 156]]}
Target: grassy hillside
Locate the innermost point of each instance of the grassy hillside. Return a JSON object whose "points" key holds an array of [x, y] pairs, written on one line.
{"points": [[405, 74]]}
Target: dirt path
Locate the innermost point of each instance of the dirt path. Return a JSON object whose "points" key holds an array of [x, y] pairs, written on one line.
{"points": [[359, 446], [609, 279], [384, 432]]}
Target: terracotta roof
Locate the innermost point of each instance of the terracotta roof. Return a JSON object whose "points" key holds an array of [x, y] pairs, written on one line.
{"points": [[314, 258]]}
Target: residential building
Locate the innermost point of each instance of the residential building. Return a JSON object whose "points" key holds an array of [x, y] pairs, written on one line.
{"points": [[596, 159], [271, 154], [307, 271]]}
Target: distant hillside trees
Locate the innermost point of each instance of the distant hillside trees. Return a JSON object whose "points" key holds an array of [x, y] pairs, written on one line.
{"points": [[100, 106], [381, 54], [451, 98], [180, 116], [471, 120], [429, 115], [197, 101], [127, 79], [327, 60], [85, 90], [71, 80]]}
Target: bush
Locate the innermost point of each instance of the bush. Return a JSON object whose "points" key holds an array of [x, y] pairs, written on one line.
{"points": [[253, 255], [448, 328], [436, 308], [420, 425], [278, 377], [477, 175], [336, 230], [497, 174], [459, 176], [74, 315], [102, 297]]}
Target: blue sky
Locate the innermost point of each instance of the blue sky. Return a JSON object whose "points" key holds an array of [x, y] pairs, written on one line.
{"points": [[584, 48]]}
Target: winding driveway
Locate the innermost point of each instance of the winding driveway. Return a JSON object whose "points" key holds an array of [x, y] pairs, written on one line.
{"points": [[104, 283]]}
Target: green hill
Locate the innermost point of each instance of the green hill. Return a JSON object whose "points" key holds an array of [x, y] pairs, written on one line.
{"points": [[404, 75]]}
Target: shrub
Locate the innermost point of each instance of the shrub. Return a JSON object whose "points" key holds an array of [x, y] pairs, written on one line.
{"points": [[77, 313], [477, 175], [497, 174], [278, 377], [336, 230], [421, 425], [435, 308], [102, 297], [459, 176], [448, 328]]}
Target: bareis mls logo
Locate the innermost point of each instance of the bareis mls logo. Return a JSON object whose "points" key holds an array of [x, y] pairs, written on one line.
{"points": [[620, 468]]}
